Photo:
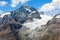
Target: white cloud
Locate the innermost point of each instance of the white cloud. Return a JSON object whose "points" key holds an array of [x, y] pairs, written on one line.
{"points": [[16, 2], [52, 7], [3, 3]]}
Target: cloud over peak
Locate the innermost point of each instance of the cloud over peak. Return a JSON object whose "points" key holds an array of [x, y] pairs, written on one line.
{"points": [[16, 2]]}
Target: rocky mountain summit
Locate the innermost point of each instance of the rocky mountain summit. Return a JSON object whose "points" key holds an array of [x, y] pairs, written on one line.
{"points": [[25, 13]]}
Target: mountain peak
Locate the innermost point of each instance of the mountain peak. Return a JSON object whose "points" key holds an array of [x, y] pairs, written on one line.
{"points": [[57, 16], [26, 13], [24, 6]]}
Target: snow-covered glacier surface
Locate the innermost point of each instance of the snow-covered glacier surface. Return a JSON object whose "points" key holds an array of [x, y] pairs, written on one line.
{"points": [[38, 22]]}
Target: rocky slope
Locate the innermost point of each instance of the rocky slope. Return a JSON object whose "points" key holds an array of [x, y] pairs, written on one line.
{"points": [[52, 31]]}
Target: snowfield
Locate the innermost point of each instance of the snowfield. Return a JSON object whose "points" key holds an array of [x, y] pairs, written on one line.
{"points": [[38, 22]]}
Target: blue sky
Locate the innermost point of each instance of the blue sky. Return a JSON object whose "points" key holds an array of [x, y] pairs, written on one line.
{"points": [[34, 3]]}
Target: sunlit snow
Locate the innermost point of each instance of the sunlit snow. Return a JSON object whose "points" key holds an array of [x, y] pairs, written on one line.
{"points": [[37, 22]]}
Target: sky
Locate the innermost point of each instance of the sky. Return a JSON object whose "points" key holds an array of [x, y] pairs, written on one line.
{"points": [[8, 5], [50, 7]]}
